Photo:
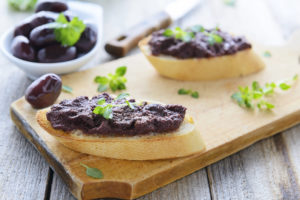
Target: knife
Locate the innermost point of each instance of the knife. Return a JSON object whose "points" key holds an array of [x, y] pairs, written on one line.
{"points": [[125, 42]]}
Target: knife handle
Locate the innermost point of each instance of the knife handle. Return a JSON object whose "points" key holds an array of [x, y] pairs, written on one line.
{"points": [[128, 40]]}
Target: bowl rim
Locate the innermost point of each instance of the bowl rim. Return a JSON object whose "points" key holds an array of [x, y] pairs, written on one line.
{"points": [[8, 35]]}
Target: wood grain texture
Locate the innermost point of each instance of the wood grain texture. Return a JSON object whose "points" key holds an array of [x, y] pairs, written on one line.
{"points": [[134, 178], [242, 18], [21, 166]]}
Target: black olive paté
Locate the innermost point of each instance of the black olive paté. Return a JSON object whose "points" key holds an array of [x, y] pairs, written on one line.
{"points": [[199, 46], [144, 118]]}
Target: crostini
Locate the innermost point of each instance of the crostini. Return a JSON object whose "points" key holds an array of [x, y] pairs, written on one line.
{"points": [[200, 54], [122, 128]]}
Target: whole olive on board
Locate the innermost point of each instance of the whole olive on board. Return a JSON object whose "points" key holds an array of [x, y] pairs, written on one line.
{"points": [[21, 48], [87, 40], [54, 6], [44, 91], [56, 53], [42, 36]]}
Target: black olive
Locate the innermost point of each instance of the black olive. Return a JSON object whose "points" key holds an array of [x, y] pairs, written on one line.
{"points": [[36, 20], [44, 91], [54, 6], [87, 40], [43, 18], [56, 53], [42, 36], [21, 48], [23, 29]]}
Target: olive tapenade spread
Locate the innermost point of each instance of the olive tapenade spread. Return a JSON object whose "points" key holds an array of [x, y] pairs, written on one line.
{"points": [[199, 46], [144, 118]]}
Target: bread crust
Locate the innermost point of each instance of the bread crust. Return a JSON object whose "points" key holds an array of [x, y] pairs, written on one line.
{"points": [[184, 142], [197, 69]]}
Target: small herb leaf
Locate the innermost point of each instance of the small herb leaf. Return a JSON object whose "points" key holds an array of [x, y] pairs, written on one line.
{"points": [[129, 104], [121, 71], [122, 96], [248, 98], [114, 81], [168, 33], [102, 87], [195, 95], [197, 28], [230, 2], [66, 89], [267, 54], [93, 172], [183, 91], [108, 113]]}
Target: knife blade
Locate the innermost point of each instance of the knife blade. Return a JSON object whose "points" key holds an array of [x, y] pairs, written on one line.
{"points": [[122, 44]]}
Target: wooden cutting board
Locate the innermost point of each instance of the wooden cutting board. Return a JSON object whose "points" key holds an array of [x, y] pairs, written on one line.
{"points": [[226, 128]]}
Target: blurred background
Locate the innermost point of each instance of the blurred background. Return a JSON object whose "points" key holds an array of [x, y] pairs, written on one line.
{"points": [[263, 21]]}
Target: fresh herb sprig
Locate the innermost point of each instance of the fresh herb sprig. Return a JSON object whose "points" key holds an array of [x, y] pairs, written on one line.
{"points": [[256, 96], [187, 36], [92, 172], [180, 34], [114, 81], [22, 5], [105, 109], [193, 94], [68, 33]]}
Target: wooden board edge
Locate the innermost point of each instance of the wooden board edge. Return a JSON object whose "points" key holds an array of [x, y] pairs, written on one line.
{"points": [[42, 148], [200, 161], [128, 191]]}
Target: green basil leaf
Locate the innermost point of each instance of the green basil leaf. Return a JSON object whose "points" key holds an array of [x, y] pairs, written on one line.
{"points": [[122, 96], [101, 101], [195, 95], [101, 79], [284, 86], [108, 113], [99, 110], [238, 98], [255, 86], [182, 91], [121, 71], [129, 104], [93, 172], [69, 32], [168, 33], [102, 88]]}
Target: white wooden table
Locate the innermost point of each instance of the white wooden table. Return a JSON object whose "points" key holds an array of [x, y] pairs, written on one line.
{"points": [[269, 169]]}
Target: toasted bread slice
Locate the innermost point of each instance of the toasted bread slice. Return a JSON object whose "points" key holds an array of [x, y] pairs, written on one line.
{"points": [[196, 69], [183, 142]]}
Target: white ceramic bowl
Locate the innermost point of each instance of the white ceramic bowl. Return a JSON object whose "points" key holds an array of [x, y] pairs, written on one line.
{"points": [[85, 11]]}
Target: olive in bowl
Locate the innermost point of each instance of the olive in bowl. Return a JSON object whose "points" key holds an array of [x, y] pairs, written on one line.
{"points": [[88, 12], [21, 48], [53, 6]]}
